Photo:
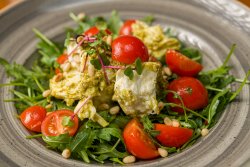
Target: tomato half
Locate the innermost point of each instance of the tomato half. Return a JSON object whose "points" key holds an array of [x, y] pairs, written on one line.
{"points": [[94, 31], [126, 28], [62, 58], [181, 64], [52, 124], [138, 142], [32, 118], [127, 48], [173, 136], [194, 95]]}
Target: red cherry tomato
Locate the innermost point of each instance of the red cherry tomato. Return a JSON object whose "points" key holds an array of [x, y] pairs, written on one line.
{"points": [[58, 70], [126, 49], [126, 28], [181, 64], [62, 58], [138, 142], [194, 95], [94, 31], [173, 136], [32, 118], [52, 124]]}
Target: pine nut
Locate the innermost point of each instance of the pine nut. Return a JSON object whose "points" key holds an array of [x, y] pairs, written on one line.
{"points": [[167, 71], [161, 105], [91, 70], [109, 40], [58, 77], [48, 106], [66, 67], [129, 159], [46, 93], [204, 132], [165, 77], [168, 121], [66, 153], [175, 123], [114, 110], [104, 106], [163, 153]]}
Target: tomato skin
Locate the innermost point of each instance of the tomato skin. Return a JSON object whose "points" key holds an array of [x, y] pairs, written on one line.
{"points": [[94, 31], [173, 136], [58, 70], [127, 48], [138, 142], [32, 118], [52, 124], [62, 58], [182, 65], [194, 95], [126, 28]]}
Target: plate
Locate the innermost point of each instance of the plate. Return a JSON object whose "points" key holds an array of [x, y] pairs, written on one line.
{"points": [[212, 26]]}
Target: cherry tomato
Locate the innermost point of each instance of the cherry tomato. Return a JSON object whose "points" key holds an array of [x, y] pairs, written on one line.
{"points": [[126, 49], [58, 70], [32, 118], [62, 58], [52, 124], [181, 64], [138, 142], [126, 28], [173, 136], [192, 92], [94, 30]]}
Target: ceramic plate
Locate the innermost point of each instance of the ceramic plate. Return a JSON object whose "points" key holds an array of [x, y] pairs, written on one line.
{"points": [[212, 26]]}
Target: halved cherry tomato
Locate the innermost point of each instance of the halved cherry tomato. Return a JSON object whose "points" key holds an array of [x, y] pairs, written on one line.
{"points": [[173, 136], [138, 142], [32, 118], [181, 64], [127, 48], [62, 58], [94, 30], [52, 124], [192, 92], [126, 28], [58, 70]]}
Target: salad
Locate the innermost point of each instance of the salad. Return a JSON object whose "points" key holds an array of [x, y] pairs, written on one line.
{"points": [[119, 91]]}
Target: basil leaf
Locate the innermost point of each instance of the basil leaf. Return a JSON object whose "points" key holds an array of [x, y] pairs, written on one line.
{"points": [[96, 63], [66, 121], [129, 73], [138, 66]]}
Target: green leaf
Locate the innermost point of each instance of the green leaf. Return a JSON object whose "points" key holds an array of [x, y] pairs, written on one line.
{"points": [[129, 73], [192, 53], [148, 19], [84, 156], [106, 133], [101, 25], [114, 22], [79, 141], [96, 63], [67, 121], [138, 66], [214, 104], [57, 142]]}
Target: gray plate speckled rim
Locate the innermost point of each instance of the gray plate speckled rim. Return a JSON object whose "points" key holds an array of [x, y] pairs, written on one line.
{"points": [[212, 26]]}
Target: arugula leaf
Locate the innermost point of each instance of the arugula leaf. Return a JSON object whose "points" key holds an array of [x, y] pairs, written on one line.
{"points": [[79, 141], [66, 121], [57, 142], [106, 133], [129, 73], [192, 53]]}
